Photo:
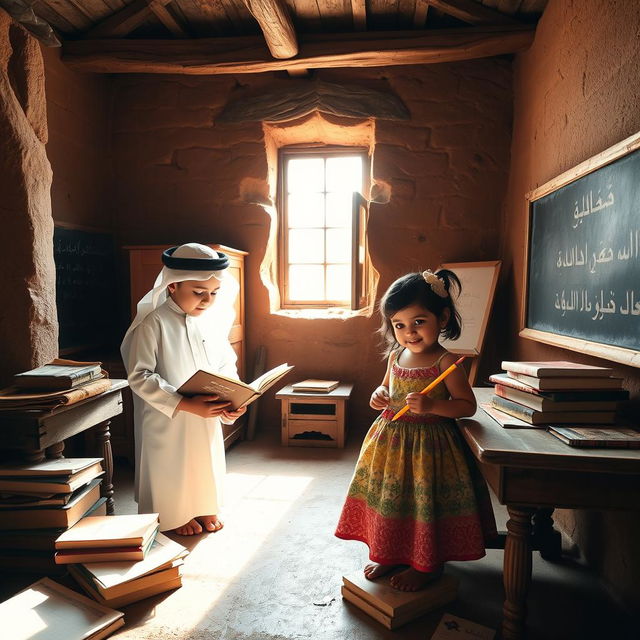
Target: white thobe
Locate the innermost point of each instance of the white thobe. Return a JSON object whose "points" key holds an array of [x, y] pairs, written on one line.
{"points": [[180, 462]]}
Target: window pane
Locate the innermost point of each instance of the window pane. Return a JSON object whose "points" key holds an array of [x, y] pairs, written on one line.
{"points": [[344, 173], [306, 245], [338, 282], [338, 245], [306, 282], [339, 209], [305, 174], [306, 210]]}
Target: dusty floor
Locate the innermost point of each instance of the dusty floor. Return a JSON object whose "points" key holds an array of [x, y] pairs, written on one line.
{"points": [[274, 572]]}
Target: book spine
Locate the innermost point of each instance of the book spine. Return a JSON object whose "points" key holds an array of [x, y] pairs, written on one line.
{"points": [[514, 409]]}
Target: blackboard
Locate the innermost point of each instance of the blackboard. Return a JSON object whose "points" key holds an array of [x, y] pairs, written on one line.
{"points": [[85, 287], [582, 288]]}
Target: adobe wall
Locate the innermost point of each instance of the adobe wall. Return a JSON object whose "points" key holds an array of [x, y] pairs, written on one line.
{"points": [[182, 176], [576, 93]]}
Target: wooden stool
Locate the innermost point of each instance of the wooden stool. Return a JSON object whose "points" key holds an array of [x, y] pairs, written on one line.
{"points": [[314, 419]]}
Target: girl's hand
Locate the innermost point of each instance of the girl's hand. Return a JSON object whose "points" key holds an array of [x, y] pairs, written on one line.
{"points": [[419, 403], [207, 406], [379, 398], [231, 416]]}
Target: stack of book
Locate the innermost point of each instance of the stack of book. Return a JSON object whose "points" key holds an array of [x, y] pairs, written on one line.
{"points": [[537, 394], [48, 611], [61, 382], [391, 607], [117, 584], [39, 501], [108, 539]]}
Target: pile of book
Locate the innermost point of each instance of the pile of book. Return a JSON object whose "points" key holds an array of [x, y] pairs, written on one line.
{"points": [[537, 394], [117, 584], [61, 382], [39, 502], [391, 607]]}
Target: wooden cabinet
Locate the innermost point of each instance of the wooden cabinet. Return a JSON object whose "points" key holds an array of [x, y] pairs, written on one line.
{"points": [[145, 262]]}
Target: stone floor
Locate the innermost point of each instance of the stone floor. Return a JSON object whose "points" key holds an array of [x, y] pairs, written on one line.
{"points": [[274, 572]]}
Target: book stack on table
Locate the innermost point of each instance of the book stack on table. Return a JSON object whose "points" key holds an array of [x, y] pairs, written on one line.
{"points": [[117, 584], [39, 502], [556, 395], [393, 608]]}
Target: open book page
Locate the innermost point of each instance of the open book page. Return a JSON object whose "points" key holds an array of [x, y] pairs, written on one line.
{"points": [[263, 382]]}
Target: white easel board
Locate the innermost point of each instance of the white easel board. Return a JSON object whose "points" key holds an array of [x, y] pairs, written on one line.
{"points": [[478, 280]]}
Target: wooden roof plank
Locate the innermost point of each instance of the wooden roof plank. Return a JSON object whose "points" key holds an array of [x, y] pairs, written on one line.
{"points": [[359, 11], [420, 14], [277, 27], [124, 21], [167, 19], [211, 56], [471, 12]]}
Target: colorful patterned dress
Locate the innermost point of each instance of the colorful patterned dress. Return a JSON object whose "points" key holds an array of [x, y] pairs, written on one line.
{"points": [[416, 497]]}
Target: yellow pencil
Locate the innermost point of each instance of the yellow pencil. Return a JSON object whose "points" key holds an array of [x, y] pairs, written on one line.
{"points": [[430, 386]]}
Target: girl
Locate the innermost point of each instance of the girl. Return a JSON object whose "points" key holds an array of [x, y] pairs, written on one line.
{"points": [[178, 329], [414, 498]]}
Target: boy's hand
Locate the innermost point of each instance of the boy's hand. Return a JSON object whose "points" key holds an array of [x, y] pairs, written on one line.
{"points": [[419, 403], [231, 416], [208, 406], [379, 398]]}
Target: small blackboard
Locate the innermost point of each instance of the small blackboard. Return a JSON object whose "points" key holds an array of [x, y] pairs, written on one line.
{"points": [[85, 287], [582, 286]]}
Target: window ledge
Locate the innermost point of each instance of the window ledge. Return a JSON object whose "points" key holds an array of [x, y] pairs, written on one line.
{"points": [[332, 313]]}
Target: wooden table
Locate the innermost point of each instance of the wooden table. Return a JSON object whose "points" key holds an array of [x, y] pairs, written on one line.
{"points": [[532, 473], [40, 434], [314, 419]]}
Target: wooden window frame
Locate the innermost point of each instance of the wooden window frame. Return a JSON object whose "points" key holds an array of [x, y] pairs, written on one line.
{"points": [[359, 270]]}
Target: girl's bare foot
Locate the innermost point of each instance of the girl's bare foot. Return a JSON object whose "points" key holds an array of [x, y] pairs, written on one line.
{"points": [[210, 523], [413, 580], [375, 570], [192, 528]]}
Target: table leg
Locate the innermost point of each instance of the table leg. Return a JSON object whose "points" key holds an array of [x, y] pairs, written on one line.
{"points": [[546, 538], [516, 572], [104, 438]]}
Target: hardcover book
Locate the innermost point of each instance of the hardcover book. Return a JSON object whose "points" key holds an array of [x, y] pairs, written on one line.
{"points": [[47, 486], [59, 374], [571, 395], [48, 611], [50, 517], [540, 402], [620, 437], [556, 369], [13, 398], [110, 531], [53, 467], [238, 393], [312, 385], [394, 608], [506, 420], [562, 383], [545, 417]]}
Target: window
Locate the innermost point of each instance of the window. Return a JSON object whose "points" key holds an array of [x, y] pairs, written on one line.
{"points": [[322, 231]]}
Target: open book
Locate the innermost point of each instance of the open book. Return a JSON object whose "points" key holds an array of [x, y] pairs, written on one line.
{"points": [[238, 393]]}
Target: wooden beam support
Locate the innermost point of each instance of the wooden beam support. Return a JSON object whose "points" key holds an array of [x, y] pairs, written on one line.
{"points": [[159, 9], [472, 12], [359, 11], [212, 56], [275, 22], [420, 14], [124, 21]]}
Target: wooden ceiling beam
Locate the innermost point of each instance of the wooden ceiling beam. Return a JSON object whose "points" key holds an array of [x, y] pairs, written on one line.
{"points": [[359, 11], [420, 14], [160, 10], [472, 12], [212, 56], [126, 20], [277, 27]]}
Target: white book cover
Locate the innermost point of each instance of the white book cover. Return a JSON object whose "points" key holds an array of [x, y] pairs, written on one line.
{"points": [[455, 628], [48, 611], [119, 531], [53, 467]]}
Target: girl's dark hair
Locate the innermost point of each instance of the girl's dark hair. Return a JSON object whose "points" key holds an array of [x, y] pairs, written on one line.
{"points": [[414, 289]]}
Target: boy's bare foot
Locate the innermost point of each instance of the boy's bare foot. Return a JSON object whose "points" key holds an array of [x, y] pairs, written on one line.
{"points": [[210, 523], [413, 580], [192, 528], [375, 570]]}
